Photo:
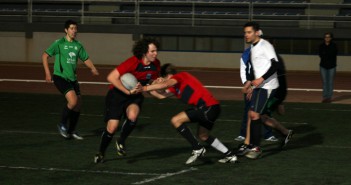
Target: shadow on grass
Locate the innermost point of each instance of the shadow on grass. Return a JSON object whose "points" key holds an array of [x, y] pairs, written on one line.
{"points": [[303, 137], [164, 153]]}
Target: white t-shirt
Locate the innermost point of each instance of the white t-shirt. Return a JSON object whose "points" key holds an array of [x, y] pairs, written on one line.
{"points": [[261, 55]]}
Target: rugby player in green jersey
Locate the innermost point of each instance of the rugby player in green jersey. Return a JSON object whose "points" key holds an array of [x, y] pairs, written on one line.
{"points": [[67, 51]]}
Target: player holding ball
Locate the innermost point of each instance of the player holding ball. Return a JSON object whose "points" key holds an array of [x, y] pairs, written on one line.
{"points": [[121, 101]]}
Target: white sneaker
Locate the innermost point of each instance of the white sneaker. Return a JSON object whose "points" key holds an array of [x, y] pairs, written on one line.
{"points": [[195, 154], [240, 138], [254, 153], [272, 139], [229, 159], [76, 136]]}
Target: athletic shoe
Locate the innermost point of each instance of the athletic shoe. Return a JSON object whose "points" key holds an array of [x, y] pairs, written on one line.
{"points": [[254, 152], [195, 154], [99, 158], [63, 131], [120, 149], [76, 136], [272, 139], [243, 149], [240, 138], [229, 159], [287, 138]]}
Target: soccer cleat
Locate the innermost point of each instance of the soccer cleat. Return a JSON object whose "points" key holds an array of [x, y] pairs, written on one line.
{"points": [[240, 138], [229, 159], [120, 149], [63, 131], [254, 152], [195, 154], [272, 139], [287, 138], [76, 136], [243, 149], [99, 158]]}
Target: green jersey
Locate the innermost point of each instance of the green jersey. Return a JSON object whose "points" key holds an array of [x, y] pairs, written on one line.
{"points": [[66, 57]]}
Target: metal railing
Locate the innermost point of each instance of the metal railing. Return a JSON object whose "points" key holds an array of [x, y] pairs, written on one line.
{"points": [[178, 12]]}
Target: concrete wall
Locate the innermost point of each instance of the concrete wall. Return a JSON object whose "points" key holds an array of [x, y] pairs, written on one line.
{"points": [[112, 49]]}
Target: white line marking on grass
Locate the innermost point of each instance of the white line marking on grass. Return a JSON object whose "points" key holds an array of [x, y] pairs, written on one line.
{"points": [[96, 115], [236, 120], [79, 171], [207, 86], [162, 176], [333, 110]]}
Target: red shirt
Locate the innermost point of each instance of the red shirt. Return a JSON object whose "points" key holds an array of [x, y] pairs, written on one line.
{"points": [[143, 73], [191, 91]]}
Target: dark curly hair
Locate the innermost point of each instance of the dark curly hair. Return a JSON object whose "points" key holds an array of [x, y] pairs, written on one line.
{"points": [[142, 46], [167, 69]]}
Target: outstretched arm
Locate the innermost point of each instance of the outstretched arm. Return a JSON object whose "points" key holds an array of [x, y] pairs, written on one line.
{"points": [[162, 85], [91, 66]]}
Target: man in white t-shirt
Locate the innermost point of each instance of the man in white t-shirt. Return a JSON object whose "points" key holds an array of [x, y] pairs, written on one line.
{"points": [[263, 61]]}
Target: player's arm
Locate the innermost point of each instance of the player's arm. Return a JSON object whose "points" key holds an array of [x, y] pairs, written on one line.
{"points": [[114, 79], [162, 85], [161, 95], [270, 72], [45, 60], [91, 66]]}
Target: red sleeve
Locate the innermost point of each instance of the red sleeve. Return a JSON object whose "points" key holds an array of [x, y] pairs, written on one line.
{"points": [[127, 66]]}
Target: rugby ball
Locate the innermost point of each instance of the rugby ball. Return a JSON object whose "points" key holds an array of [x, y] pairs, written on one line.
{"points": [[129, 81]]}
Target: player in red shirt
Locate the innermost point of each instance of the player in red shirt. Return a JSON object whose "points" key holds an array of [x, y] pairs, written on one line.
{"points": [[205, 110], [121, 102]]}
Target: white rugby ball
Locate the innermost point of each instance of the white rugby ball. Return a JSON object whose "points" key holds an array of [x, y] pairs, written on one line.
{"points": [[129, 81]]}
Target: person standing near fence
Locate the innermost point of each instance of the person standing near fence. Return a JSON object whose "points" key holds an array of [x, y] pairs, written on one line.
{"points": [[328, 51], [67, 51]]}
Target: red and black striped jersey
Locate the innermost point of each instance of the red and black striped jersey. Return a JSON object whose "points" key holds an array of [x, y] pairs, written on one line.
{"points": [[191, 91], [143, 73]]}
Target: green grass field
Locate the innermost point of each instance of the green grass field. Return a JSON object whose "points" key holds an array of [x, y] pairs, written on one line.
{"points": [[32, 152]]}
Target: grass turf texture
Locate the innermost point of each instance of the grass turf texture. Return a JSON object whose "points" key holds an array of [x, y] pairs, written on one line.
{"points": [[32, 152]]}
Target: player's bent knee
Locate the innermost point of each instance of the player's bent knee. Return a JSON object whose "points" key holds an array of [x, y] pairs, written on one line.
{"points": [[203, 137], [175, 121]]}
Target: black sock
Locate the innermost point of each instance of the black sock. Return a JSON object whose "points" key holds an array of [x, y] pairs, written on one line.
{"points": [[73, 120], [186, 133], [255, 135], [127, 128], [106, 138], [66, 113]]}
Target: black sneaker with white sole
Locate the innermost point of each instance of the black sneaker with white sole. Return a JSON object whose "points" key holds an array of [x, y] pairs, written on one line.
{"points": [[63, 131], [243, 149], [99, 158], [120, 149], [287, 139]]}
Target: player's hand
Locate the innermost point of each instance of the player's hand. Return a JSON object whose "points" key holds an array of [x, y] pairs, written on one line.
{"points": [[246, 88], [48, 78], [257, 82], [95, 72], [137, 89], [248, 96]]}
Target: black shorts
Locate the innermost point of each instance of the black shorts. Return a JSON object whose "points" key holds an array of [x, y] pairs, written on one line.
{"points": [[205, 116], [64, 86], [117, 103], [259, 99]]}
